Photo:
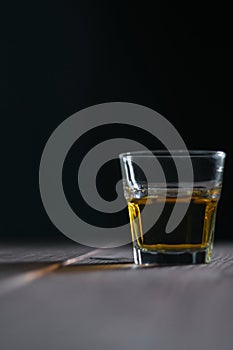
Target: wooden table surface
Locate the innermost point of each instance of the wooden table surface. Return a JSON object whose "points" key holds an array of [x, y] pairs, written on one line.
{"points": [[66, 296]]}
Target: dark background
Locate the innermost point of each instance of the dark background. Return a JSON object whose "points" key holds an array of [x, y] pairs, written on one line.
{"points": [[60, 59]]}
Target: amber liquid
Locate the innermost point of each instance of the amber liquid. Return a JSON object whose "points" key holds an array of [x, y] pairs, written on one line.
{"points": [[193, 233]]}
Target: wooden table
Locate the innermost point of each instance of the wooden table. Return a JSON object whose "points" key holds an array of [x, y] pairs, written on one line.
{"points": [[66, 296]]}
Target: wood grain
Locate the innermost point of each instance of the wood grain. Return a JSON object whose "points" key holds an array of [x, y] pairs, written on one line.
{"points": [[103, 301]]}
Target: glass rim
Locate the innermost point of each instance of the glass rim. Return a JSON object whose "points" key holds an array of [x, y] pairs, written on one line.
{"points": [[174, 153]]}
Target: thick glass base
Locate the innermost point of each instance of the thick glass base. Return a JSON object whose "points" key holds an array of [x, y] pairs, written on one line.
{"points": [[145, 257]]}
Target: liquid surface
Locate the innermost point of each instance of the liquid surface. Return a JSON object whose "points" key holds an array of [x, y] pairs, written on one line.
{"points": [[196, 229]]}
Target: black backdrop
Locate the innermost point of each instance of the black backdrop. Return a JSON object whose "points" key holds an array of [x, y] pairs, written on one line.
{"points": [[62, 58]]}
